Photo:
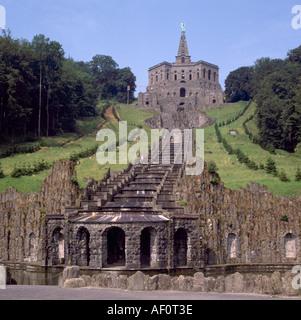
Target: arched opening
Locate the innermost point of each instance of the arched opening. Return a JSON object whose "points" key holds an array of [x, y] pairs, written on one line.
{"points": [[58, 247], [148, 248], [32, 251], [209, 75], [290, 245], [232, 246], [182, 60], [182, 92], [180, 248], [83, 240], [116, 247]]}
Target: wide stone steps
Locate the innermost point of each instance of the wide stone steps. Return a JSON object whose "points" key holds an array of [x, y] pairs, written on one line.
{"points": [[141, 190]]}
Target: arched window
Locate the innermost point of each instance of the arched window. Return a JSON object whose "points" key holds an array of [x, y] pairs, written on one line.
{"points": [[83, 240], [32, 248], [209, 75], [58, 247], [183, 60], [232, 246], [148, 252], [290, 245], [116, 247], [182, 92], [180, 248], [204, 73]]}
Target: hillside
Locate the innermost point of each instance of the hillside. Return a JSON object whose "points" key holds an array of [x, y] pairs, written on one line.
{"points": [[65, 145], [235, 174]]}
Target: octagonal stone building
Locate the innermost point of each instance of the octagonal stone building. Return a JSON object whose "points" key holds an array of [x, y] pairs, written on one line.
{"points": [[183, 85]]}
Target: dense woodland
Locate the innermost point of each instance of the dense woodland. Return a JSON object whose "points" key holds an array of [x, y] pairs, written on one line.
{"points": [[42, 93], [275, 85]]}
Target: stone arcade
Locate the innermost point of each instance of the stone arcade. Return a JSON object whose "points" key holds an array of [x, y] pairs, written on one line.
{"points": [[130, 219]]}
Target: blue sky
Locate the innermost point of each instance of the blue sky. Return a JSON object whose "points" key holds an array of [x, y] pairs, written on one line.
{"points": [[141, 33]]}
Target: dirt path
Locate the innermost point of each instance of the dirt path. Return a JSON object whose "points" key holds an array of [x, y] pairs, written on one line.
{"points": [[109, 116]]}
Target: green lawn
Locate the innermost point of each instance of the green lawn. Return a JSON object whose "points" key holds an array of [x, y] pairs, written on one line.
{"points": [[54, 151], [236, 175], [233, 174]]}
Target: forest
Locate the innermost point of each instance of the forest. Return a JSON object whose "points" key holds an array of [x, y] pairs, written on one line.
{"points": [[42, 92], [275, 86]]}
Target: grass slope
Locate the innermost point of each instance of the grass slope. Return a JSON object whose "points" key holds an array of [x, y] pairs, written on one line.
{"points": [[236, 175], [84, 138], [233, 174]]}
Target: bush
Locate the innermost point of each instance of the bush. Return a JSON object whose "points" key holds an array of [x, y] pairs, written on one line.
{"points": [[84, 153], [17, 149], [298, 174], [27, 170], [282, 176], [284, 218], [2, 175], [214, 181], [212, 167], [182, 203], [270, 167]]}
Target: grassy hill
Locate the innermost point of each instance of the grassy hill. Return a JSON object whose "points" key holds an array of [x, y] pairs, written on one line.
{"points": [[63, 146], [233, 173]]}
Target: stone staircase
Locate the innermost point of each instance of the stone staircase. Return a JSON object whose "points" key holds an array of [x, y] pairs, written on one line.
{"points": [[142, 192]]}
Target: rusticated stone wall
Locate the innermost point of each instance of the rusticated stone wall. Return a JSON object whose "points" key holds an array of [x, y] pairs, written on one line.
{"points": [[272, 284], [22, 216], [244, 226]]}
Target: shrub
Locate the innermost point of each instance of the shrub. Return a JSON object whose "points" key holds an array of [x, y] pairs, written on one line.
{"points": [[214, 181], [212, 167], [283, 177], [74, 181], [2, 175], [27, 170], [182, 203], [298, 174], [270, 167], [284, 218]]}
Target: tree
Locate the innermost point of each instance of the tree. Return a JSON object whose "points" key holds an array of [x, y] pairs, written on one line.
{"points": [[1, 172], [39, 46], [271, 167], [238, 84], [125, 78], [212, 167], [282, 176], [104, 71], [53, 70], [298, 174], [294, 55]]}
